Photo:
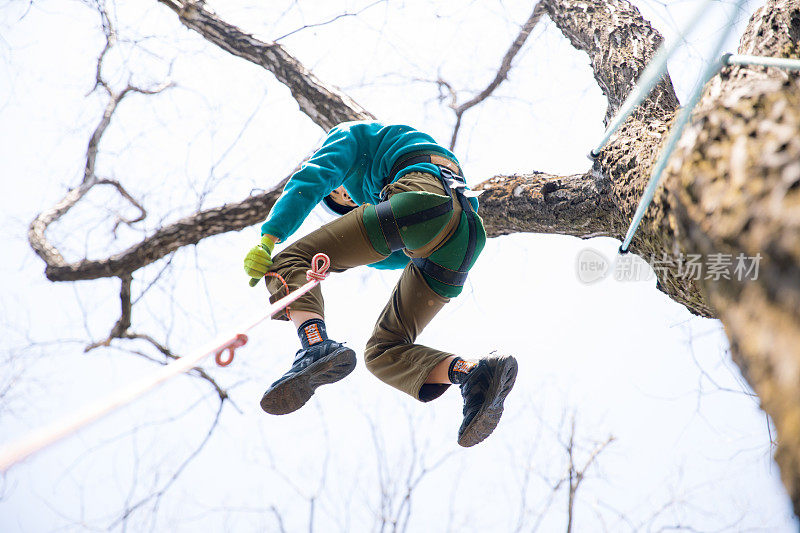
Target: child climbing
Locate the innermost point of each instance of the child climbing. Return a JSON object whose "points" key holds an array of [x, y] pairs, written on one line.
{"points": [[402, 203]]}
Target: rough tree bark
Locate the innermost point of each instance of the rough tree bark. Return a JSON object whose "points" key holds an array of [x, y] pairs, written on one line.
{"points": [[732, 187]]}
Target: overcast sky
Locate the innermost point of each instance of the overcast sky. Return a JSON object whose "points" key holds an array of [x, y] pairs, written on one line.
{"points": [[691, 448]]}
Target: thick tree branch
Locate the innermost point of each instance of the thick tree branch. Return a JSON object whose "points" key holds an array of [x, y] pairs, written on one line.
{"points": [[186, 231], [326, 105], [579, 205], [620, 44]]}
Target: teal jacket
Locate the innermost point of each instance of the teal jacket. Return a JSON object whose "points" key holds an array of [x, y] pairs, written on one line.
{"points": [[358, 155]]}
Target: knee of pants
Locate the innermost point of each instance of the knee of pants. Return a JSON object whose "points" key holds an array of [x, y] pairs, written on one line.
{"points": [[376, 358], [372, 353]]}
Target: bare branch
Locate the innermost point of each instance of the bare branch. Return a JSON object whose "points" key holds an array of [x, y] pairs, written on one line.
{"points": [[324, 104], [575, 474], [121, 331], [38, 227], [111, 39], [330, 21], [502, 72], [125, 194], [156, 496], [186, 231]]}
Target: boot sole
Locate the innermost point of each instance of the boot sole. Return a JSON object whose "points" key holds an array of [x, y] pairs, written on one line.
{"points": [[492, 409], [293, 393]]}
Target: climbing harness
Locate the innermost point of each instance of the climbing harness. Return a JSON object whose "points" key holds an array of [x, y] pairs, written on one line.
{"points": [[436, 271], [655, 69], [455, 187], [47, 435]]}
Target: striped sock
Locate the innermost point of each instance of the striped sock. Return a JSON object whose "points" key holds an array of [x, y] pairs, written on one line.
{"points": [[312, 332]]}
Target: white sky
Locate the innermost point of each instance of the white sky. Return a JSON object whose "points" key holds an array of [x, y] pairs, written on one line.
{"points": [[691, 446]]}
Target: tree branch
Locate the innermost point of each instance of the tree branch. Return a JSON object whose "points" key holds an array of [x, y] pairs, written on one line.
{"points": [[620, 44], [326, 105], [329, 21], [500, 76], [38, 227], [579, 205], [188, 230]]}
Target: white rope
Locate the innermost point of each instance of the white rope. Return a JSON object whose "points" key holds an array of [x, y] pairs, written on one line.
{"points": [[677, 129], [777, 62]]}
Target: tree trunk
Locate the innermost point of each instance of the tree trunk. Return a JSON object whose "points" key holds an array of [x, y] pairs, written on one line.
{"points": [[732, 187]]}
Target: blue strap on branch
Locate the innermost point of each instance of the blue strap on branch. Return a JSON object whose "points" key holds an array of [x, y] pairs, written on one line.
{"points": [[650, 77], [683, 118]]}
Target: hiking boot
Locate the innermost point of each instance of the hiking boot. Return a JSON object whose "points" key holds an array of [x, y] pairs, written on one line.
{"points": [[484, 391], [319, 364]]}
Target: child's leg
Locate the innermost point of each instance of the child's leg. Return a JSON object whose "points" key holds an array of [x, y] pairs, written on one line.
{"points": [[391, 353]]}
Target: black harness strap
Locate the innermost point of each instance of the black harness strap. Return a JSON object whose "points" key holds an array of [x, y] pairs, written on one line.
{"points": [[466, 206], [444, 275], [472, 240], [440, 273], [425, 214], [391, 231]]}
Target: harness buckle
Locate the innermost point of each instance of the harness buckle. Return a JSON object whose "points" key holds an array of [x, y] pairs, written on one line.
{"points": [[454, 180]]}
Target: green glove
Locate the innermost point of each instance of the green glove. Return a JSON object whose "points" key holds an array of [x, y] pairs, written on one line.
{"points": [[259, 259]]}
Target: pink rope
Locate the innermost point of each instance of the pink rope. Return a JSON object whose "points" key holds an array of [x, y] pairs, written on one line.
{"points": [[52, 433]]}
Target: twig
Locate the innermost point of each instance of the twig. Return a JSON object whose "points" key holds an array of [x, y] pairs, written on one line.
{"points": [[500, 76], [160, 493], [334, 19]]}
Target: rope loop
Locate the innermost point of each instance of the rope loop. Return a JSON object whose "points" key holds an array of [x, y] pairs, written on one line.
{"points": [[319, 267], [236, 342]]}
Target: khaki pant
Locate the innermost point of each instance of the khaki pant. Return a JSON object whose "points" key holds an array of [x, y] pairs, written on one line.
{"points": [[390, 354]]}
